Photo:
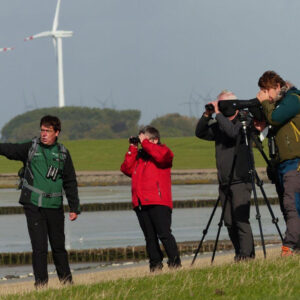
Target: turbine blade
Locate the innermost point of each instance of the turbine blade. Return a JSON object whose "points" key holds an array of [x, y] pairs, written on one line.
{"points": [[6, 49], [42, 34], [55, 21], [62, 33]]}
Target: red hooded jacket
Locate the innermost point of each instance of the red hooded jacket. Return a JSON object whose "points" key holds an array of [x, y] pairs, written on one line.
{"points": [[151, 178]]}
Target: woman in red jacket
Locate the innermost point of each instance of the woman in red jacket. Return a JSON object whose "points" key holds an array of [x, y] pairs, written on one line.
{"points": [[150, 171]]}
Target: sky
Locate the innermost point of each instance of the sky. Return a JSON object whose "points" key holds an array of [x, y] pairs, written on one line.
{"points": [[157, 56]]}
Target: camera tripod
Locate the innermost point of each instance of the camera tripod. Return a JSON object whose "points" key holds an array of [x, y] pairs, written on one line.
{"points": [[254, 178]]}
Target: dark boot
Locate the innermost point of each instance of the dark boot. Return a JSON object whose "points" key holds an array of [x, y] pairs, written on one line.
{"points": [[156, 267], [174, 262], [40, 284], [67, 280]]}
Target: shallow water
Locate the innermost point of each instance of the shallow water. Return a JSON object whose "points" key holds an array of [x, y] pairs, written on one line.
{"points": [[120, 228], [104, 229]]}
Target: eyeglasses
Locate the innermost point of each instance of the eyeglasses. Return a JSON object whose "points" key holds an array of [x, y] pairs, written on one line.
{"points": [[47, 130]]}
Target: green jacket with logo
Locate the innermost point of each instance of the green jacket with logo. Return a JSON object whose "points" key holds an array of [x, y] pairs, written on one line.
{"points": [[44, 157], [285, 118]]}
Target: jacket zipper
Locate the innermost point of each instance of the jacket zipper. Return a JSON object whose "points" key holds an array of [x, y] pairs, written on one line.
{"points": [[136, 167], [159, 193]]}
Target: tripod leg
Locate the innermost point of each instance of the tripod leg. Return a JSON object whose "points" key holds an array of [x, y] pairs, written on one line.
{"points": [[220, 224], [238, 141], [258, 215], [260, 184], [274, 219], [205, 230], [252, 172]]}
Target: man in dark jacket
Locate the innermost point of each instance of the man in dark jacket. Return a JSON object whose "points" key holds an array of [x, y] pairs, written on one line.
{"points": [[225, 132], [48, 170], [150, 171], [281, 105]]}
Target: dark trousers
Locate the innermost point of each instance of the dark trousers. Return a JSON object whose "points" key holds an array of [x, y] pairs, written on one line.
{"points": [[155, 222], [291, 194], [44, 223], [236, 218]]}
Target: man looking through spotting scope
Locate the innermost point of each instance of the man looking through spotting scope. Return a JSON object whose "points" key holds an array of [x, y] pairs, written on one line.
{"points": [[225, 131], [281, 106], [48, 169]]}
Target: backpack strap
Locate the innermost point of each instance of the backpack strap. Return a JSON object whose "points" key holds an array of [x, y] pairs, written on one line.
{"points": [[31, 152], [26, 169], [62, 151], [296, 131], [40, 192]]}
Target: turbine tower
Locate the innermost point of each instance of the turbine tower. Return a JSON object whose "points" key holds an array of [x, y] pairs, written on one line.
{"points": [[57, 36]]}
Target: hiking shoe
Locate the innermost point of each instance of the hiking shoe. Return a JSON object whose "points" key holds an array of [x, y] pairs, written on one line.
{"points": [[174, 263], [286, 251], [156, 267], [296, 251], [66, 280], [240, 258], [175, 266], [40, 285]]}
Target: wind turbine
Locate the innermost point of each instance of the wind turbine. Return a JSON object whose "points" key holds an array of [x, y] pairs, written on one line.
{"points": [[57, 36], [5, 49]]}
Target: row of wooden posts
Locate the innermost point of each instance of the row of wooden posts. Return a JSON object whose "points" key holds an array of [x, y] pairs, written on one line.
{"points": [[109, 255]]}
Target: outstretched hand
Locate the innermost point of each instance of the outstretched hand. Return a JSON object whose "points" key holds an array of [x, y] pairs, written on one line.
{"points": [[72, 216]]}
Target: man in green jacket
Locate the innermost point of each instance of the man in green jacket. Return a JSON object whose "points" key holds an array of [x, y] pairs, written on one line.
{"points": [[48, 170], [281, 105]]}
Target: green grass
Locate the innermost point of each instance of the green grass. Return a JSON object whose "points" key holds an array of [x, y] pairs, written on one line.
{"points": [[274, 279], [103, 155]]}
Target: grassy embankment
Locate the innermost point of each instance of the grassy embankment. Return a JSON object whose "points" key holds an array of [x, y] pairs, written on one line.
{"points": [[261, 279], [104, 155]]}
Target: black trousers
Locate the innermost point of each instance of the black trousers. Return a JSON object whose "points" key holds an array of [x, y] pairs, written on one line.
{"points": [[155, 222], [236, 218], [44, 223]]}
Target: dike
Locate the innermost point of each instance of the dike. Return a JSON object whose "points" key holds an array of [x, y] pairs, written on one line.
{"points": [[106, 178], [125, 254], [89, 207]]}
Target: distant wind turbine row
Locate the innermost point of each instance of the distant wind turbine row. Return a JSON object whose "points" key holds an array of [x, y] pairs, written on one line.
{"points": [[57, 36]]}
